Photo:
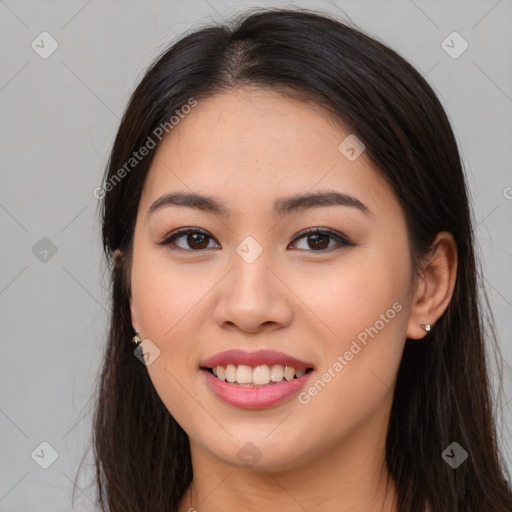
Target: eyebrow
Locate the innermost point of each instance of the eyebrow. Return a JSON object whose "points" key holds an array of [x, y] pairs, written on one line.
{"points": [[282, 205]]}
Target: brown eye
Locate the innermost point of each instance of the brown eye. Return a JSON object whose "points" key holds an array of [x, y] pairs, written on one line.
{"points": [[196, 239], [318, 239]]}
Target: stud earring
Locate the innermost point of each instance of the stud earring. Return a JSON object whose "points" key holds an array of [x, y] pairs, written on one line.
{"points": [[136, 339], [427, 327]]}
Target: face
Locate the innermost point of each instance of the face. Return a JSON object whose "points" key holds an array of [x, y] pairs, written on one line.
{"points": [[332, 303]]}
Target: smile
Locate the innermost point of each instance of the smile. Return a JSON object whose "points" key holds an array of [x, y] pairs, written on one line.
{"points": [[261, 375]]}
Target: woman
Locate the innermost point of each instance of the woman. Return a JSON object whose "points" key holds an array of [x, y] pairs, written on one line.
{"points": [[292, 254]]}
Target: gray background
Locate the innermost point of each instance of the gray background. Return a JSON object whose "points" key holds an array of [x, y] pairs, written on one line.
{"points": [[58, 119]]}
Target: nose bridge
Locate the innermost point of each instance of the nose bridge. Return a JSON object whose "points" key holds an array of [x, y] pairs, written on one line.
{"points": [[250, 276], [252, 296]]}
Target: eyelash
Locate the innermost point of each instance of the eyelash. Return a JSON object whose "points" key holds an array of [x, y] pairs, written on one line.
{"points": [[339, 237]]}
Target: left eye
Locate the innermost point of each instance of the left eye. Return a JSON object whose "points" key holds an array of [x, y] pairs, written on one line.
{"points": [[317, 239]]}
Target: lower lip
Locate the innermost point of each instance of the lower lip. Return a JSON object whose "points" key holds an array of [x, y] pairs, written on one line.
{"points": [[257, 397]]}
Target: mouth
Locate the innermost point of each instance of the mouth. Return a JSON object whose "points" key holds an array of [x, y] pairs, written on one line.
{"points": [[257, 379], [256, 376]]}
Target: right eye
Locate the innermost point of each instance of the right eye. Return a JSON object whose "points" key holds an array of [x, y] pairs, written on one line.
{"points": [[196, 238]]}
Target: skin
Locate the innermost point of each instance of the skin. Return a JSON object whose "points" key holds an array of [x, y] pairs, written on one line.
{"points": [[247, 147]]}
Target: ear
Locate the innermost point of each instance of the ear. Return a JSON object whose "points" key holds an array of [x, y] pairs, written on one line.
{"points": [[118, 261], [135, 322], [118, 257], [435, 285]]}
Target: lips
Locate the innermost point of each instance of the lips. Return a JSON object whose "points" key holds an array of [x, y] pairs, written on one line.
{"points": [[254, 358], [254, 396]]}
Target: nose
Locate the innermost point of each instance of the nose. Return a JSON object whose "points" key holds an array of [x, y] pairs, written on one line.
{"points": [[252, 298]]}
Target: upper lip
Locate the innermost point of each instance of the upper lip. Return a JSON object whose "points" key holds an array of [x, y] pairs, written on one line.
{"points": [[254, 358]]}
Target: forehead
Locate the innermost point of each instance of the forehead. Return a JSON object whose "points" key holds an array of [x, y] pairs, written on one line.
{"points": [[245, 123], [261, 144]]}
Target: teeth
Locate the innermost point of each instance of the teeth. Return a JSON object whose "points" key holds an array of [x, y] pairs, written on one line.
{"points": [[276, 373], [230, 372], [289, 372], [259, 375], [244, 374]]}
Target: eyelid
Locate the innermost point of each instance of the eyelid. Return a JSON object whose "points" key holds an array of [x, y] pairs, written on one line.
{"points": [[182, 232], [337, 235], [340, 238]]}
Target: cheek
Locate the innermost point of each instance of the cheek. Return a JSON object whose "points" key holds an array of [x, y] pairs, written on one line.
{"points": [[357, 293], [364, 305], [166, 295], [168, 304]]}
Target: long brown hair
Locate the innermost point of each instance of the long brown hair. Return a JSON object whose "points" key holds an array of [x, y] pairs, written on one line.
{"points": [[443, 390]]}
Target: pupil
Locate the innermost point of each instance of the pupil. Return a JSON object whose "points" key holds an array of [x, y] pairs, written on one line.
{"points": [[319, 236], [194, 238]]}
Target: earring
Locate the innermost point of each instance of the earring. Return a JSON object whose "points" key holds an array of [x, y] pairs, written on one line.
{"points": [[427, 327], [136, 339]]}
